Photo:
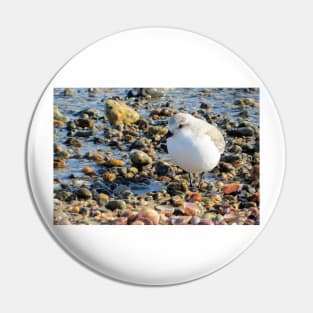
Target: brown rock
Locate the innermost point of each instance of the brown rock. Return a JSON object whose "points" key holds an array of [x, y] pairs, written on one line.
{"points": [[196, 197], [109, 176], [84, 123], [73, 142], [231, 188], [58, 123], [115, 162], [89, 171], [84, 193], [119, 113], [68, 92], [59, 163]]}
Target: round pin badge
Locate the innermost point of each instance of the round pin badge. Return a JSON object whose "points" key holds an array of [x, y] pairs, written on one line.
{"points": [[155, 156]]}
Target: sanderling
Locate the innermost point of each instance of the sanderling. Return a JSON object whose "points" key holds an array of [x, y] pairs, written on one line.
{"points": [[195, 145]]}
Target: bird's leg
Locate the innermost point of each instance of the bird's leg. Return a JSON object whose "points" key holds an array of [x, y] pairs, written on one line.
{"points": [[200, 179], [191, 183], [190, 180]]}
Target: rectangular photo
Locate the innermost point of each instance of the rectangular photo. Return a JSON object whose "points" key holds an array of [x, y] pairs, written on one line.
{"points": [[156, 156]]}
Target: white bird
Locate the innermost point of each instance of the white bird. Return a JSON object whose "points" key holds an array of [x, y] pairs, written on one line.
{"points": [[195, 145]]}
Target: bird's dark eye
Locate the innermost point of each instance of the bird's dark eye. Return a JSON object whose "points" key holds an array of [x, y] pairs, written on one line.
{"points": [[180, 126]]}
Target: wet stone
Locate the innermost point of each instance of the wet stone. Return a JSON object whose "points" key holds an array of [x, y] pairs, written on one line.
{"points": [[139, 158], [163, 168], [241, 132], [73, 142], [177, 188], [116, 204], [84, 193]]}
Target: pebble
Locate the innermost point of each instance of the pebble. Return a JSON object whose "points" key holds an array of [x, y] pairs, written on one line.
{"points": [[211, 187], [103, 199], [177, 188], [231, 188], [115, 162], [89, 171], [163, 168], [191, 209], [64, 195], [206, 222], [109, 176], [143, 123], [177, 200], [95, 156], [204, 105], [246, 102], [226, 167], [64, 221], [58, 123], [196, 197], [57, 148], [75, 209], [149, 215], [85, 122], [84, 193], [167, 210], [91, 112], [119, 221], [157, 130], [59, 163], [251, 90], [139, 158], [58, 116], [137, 222], [116, 205], [180, 220], [68, 92], [65, 154], [73, 142], [241, 132], [209, 215], [195, 220]]}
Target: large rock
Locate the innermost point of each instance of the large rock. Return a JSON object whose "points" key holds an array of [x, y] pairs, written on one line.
{"points": [[119, 113]]}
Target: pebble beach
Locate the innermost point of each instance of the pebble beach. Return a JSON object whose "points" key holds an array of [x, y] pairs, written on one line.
{"points": [[111, 165]]}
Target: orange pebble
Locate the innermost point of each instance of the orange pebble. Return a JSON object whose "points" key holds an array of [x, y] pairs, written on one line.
{"points": [[58, 123], [231, 188], [89, 170], [75, 209], [109, 176], [196, 197], [115, 162]]}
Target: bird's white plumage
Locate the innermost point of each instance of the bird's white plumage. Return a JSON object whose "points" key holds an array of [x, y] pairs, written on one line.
{"points": [[195, 146]]}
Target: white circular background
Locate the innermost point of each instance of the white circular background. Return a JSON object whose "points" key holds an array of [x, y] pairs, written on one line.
{"points": [[154, 255]]}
